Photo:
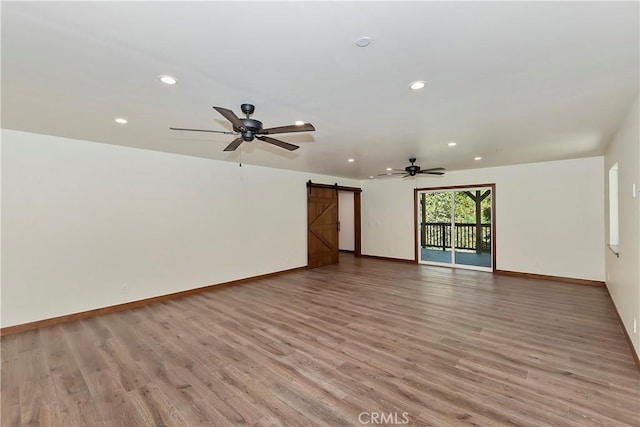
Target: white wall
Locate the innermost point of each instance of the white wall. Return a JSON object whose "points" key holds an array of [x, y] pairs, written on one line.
{"points": [[80, 219], [347, 221], [549, 216], [623, 273]]}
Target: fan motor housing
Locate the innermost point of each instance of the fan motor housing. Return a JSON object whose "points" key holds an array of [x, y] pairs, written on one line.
{"points": [[253, 127], [412, 170]]}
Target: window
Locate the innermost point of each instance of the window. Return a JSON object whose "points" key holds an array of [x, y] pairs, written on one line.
{"points": [[613, 209]]}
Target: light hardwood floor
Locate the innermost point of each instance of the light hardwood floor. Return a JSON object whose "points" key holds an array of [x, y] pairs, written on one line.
{"points": [[320, 347]]}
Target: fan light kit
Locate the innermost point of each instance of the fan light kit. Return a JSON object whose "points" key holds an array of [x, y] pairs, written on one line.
{"points": [[121, 120], [419, 84], [168, 80], [413, 170], [248, 129]]}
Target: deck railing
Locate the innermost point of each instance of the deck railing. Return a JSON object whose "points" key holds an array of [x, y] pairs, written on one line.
{"points": [[438, 235]]}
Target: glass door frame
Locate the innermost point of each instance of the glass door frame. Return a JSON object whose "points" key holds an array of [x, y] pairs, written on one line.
{"points": [[453, 188]]}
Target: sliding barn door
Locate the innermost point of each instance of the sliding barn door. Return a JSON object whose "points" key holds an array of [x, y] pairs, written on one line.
{"points": [[322, 221]]}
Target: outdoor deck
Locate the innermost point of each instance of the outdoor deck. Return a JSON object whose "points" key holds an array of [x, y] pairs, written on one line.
{"points": [[464, 258], [436, 242]]}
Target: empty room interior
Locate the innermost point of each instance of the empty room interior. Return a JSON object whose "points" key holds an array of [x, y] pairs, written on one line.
{"points": [[320, 213]]}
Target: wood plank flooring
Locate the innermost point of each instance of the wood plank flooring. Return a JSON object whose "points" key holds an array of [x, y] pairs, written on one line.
{"points": [[415, 345]]}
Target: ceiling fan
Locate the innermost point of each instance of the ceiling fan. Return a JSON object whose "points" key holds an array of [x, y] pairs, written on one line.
{"points": [[413, 170], [249, 128]]}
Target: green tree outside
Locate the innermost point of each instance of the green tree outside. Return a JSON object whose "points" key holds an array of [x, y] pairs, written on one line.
{"points": [[438, 208]]}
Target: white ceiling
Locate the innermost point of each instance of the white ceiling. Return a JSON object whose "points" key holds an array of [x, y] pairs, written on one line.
{"points": [[513, 82]]}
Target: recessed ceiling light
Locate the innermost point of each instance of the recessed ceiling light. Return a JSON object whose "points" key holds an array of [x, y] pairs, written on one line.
{"points": [[451, 144], [121, 120], [477, 158], [363, 42], [299, 123], [418, 84], [389, 169], [371, 176], [351, 160], [168, 80]]}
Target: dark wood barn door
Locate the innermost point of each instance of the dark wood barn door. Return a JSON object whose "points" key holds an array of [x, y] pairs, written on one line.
{"points": [[322, 221]]}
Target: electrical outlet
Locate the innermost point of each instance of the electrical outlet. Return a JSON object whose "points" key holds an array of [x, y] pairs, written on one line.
{"points": [[124, 288]]}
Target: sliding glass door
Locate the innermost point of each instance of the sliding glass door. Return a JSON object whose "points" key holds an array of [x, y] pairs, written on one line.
{"points": [[435, 208], [455, 227]]}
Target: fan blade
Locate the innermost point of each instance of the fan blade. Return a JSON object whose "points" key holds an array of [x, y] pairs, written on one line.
{"points": [[432, 169], [204, 130], [431, 173], [391, 174], [231, 116], [307, 127], [234, 144], [279, 143]]}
